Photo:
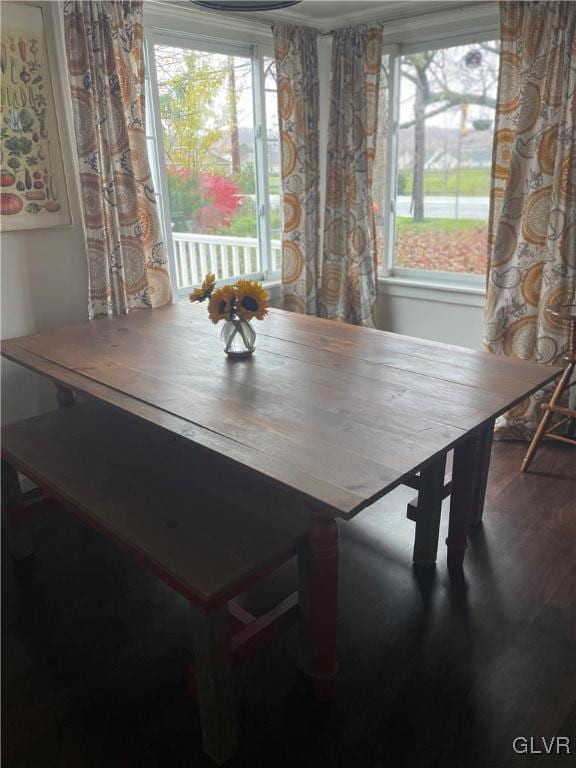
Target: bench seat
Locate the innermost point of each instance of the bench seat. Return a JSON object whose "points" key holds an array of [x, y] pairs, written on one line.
{"points": [[210, 538], [144, 490]]}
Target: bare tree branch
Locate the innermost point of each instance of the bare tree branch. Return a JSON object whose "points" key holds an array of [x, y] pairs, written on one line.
{"points": [[461, 98], [437, 111]]}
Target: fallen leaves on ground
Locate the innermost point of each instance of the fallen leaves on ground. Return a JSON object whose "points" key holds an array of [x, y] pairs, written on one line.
{"points": [[464, 251]]}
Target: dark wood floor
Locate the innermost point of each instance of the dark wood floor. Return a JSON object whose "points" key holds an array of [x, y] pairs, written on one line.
{"points": [[433, 674]]}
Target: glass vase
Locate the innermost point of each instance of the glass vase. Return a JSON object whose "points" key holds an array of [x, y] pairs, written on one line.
{"points": [[239, 338]]}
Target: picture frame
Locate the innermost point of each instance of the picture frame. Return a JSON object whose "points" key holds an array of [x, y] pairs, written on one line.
{"points": [[33, 187]]}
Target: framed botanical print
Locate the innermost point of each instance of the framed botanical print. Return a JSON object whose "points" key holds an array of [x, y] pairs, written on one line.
{"points": [[33, 192]]}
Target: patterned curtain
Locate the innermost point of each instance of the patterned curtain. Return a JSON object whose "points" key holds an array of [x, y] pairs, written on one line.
{"points": [[126, 257], [349, 254], [296, 55], [532, 247]]}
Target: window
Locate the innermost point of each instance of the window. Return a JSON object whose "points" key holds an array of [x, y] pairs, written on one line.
{"points": [[215, 158], [440, 157], [274, 161], [213, 138]]}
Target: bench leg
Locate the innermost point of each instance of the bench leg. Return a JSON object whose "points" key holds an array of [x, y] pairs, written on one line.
{"points": [[18, 537], [318, 599], [465, 473], [430, 498], [304, 626], [215, 683]]}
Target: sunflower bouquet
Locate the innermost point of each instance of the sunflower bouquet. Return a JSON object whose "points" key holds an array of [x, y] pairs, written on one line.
{"points": [[236, 305]]}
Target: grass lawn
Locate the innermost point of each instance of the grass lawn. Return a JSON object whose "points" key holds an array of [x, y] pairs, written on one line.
{"points": [[274, 185], [473, 181], [407, 225]]}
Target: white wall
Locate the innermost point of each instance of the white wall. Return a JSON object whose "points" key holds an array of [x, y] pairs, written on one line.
{"points": [[43, 272], [447, 314]]}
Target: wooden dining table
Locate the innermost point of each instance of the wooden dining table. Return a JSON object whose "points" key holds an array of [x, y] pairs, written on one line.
{"points": [[332, 416]]}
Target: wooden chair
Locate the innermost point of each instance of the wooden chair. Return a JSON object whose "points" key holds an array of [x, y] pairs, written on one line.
{"points": [[162, 505], [564, 314]]}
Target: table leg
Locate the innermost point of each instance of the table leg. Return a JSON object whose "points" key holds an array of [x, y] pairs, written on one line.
{"points": [[18, 537], [65, 397], [464, 487], [430, 497], [215, 683], [318, 599], [484, 453]]}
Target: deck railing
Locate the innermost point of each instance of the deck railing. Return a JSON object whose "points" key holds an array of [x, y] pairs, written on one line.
{"points": [[225, 257]]}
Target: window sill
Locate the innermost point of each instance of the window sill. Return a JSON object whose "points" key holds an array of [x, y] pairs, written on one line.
{"points": [[411, 288], [274, 288], [431, 290]]}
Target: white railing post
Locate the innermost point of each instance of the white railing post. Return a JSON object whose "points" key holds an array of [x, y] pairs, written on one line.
{"points": [[195, 264], [226, 257], [188, 264], [235, 259], [180, 276], [213, 259], [203, 259]]}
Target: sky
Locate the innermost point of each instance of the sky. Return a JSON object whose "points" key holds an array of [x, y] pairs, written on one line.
{"points": [[448, 71]]}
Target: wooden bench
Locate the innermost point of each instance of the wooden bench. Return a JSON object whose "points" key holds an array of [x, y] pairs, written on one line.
{"points": [[159, 501]]}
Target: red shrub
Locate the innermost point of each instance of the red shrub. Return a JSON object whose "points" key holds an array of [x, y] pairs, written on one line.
{"points": [[222, 196]]}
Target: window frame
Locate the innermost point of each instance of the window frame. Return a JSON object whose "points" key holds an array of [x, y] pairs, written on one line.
{"points": [[423, 32], [387, 268], [255, 53]]}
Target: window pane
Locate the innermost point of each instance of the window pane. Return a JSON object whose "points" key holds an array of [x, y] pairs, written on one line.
{"points": [[447, 100], [274, 161], [206, 109]]}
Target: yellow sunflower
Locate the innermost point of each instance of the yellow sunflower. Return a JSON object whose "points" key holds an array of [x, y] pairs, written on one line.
{"points": [[221, 304], [252, 300], [205, 291]]}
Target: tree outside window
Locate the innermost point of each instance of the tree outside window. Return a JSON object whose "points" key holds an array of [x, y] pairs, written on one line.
{"points": [[447, 101]]}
